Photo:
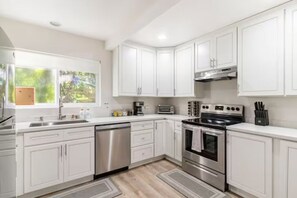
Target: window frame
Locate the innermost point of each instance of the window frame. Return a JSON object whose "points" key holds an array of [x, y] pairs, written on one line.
{"points": [[56, 70]]}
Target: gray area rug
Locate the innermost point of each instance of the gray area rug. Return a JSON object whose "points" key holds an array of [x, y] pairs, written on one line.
{"points": [[189, 186], [104, 188]]}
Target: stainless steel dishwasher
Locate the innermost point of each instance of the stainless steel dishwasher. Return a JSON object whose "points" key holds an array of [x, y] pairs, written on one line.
{"points": [[113, 148]]}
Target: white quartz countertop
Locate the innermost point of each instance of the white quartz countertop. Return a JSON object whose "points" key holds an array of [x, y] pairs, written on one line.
{"points": [[23, 127], [269, 131]]}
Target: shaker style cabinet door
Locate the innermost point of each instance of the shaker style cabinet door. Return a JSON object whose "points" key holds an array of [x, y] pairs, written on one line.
{"points": [[249, 163], [160, 130], [43, 166], [291, 50], [225, 48], [169, 138], [7, 173], [79, 159], [288, 161], [147, 72], [261, 55], [203, 49], [178, 145], [165, 73], [128, 70], [184, 71]]}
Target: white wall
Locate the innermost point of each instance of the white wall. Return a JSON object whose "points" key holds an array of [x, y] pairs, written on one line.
{"points": [[282, 110], [31, 37]]}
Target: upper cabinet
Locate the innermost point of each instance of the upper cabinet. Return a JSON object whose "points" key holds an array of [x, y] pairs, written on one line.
{"points": [[261, 55], [291, 50], [217, 50], [165, 72], [134, 71], [184, 71]]}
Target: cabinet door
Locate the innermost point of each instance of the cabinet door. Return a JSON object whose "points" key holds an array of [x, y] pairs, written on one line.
{"points": [[184, 71], [261, 55], [7, 173], [288, 162], [225, 48], [160, 130], [43, 166], [178, 145], [165, 73], [291, 51], [79, 159], [169, 140], [249, 163], [128, 70], [147, 72], [203, 54]]}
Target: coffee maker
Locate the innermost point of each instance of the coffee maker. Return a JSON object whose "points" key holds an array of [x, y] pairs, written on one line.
{"points": [[138, 108]]}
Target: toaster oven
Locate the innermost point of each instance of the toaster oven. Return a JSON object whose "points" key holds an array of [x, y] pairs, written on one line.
{"points": [[165, 109]]}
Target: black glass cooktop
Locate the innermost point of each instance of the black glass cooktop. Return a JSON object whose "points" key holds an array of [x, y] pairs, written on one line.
{"points": [[212, 122]]}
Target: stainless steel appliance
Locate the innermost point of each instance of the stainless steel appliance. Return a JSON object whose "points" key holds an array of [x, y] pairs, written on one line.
{"points": [[138, 108], [112, 147], [193, 108], [207, 161], [216, 74], [165, 109]]}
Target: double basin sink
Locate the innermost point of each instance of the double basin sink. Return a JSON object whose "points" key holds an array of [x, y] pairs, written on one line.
{"points": [[53, 123]]}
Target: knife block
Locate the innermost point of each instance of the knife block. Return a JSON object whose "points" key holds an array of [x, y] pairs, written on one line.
{"points": [[261, 117]]}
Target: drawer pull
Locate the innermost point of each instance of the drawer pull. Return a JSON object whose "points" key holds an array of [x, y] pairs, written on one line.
{"points": [[44, 137], [143, 138]]}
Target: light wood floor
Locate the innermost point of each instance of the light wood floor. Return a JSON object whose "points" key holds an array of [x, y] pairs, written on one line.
{"points": [[142, 182]]}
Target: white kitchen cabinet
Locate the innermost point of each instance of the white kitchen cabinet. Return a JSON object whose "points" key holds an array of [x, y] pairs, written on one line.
{"points": [[165, 72], [169, 138], [7, 173], [291, 50], [288, 171], [78, 159], [261, 55], [217, 50], [249, 163], [134, 71], [128, 61], [43, 166], [178, 145], [184, 71], [160, 132]]}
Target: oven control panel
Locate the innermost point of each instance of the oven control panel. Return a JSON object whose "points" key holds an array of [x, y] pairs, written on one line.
{"points": [[222, 108]]}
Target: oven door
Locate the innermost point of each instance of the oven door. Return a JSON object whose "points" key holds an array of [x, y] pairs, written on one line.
{"points": [[212, 153]]}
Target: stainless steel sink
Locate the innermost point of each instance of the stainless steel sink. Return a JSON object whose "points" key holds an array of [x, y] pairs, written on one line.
{"points": [[39, 124]]}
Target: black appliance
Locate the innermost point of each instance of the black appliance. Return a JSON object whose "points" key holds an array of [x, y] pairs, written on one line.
{"points": [[138, 108]]}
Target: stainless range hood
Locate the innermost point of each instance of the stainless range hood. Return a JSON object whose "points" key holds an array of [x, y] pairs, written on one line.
{"points": [[216, 74]]}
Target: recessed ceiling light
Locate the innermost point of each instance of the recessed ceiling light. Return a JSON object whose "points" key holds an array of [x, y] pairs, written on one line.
{"points": [[162, 37], [55, 23]]}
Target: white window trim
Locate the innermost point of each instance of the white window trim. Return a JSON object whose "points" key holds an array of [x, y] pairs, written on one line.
{"points": [[57, 94]]}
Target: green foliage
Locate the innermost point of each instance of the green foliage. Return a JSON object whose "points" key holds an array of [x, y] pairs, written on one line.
{"points": [[43, 80], [77, 87], [2, 80]]}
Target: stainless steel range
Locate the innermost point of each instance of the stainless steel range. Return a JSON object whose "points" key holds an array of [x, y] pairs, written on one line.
{"points": [[204, 142]]}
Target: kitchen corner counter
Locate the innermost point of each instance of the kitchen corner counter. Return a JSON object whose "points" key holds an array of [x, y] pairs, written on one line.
{"points": [[269, 131], [23, 127]]}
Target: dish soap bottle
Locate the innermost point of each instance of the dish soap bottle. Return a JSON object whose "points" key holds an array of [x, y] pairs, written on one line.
{"points": [[87, 114], [82, 114]]}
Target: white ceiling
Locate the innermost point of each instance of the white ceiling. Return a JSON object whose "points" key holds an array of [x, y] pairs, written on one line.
{"points": [[190, 19], [109, 20], [139, 20]]}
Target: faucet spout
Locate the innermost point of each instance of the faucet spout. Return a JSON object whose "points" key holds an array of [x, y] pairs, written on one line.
{"points": [[61, 117]]}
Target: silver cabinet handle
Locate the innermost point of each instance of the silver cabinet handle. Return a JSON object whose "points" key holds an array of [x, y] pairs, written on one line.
{"points": [[156, 126], [61, 152], [65, 149]]}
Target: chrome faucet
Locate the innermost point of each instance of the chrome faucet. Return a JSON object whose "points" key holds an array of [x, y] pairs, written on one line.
{"points": [[61, 117]]}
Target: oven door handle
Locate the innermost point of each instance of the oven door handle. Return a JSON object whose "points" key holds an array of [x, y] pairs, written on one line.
{"points": [[213, 133]]}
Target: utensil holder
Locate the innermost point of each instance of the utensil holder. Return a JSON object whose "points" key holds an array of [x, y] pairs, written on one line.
{"points": [[261, 117]]}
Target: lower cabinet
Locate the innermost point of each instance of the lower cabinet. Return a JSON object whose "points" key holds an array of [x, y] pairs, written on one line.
{"points": [[51, 164], [169, 138], [141, 153], [178, 145], [160, 132], [7, 173], [249, 163], [288, 170]]}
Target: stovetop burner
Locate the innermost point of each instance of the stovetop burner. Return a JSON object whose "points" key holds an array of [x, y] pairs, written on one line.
{"points": [[218, 116]]}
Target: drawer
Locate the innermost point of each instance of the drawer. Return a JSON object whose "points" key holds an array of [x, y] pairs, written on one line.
{"points": [[142, 153], [78, 133], [139, 138], [137, 126], [43, 137], [177, 125], [7, 142]]}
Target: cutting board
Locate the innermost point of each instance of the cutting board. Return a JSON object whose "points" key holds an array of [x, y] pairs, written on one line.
{"points": [[24, 95]]}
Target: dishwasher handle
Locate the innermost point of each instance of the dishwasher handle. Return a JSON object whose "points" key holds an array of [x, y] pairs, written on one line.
{"points": [[112, 126]]}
